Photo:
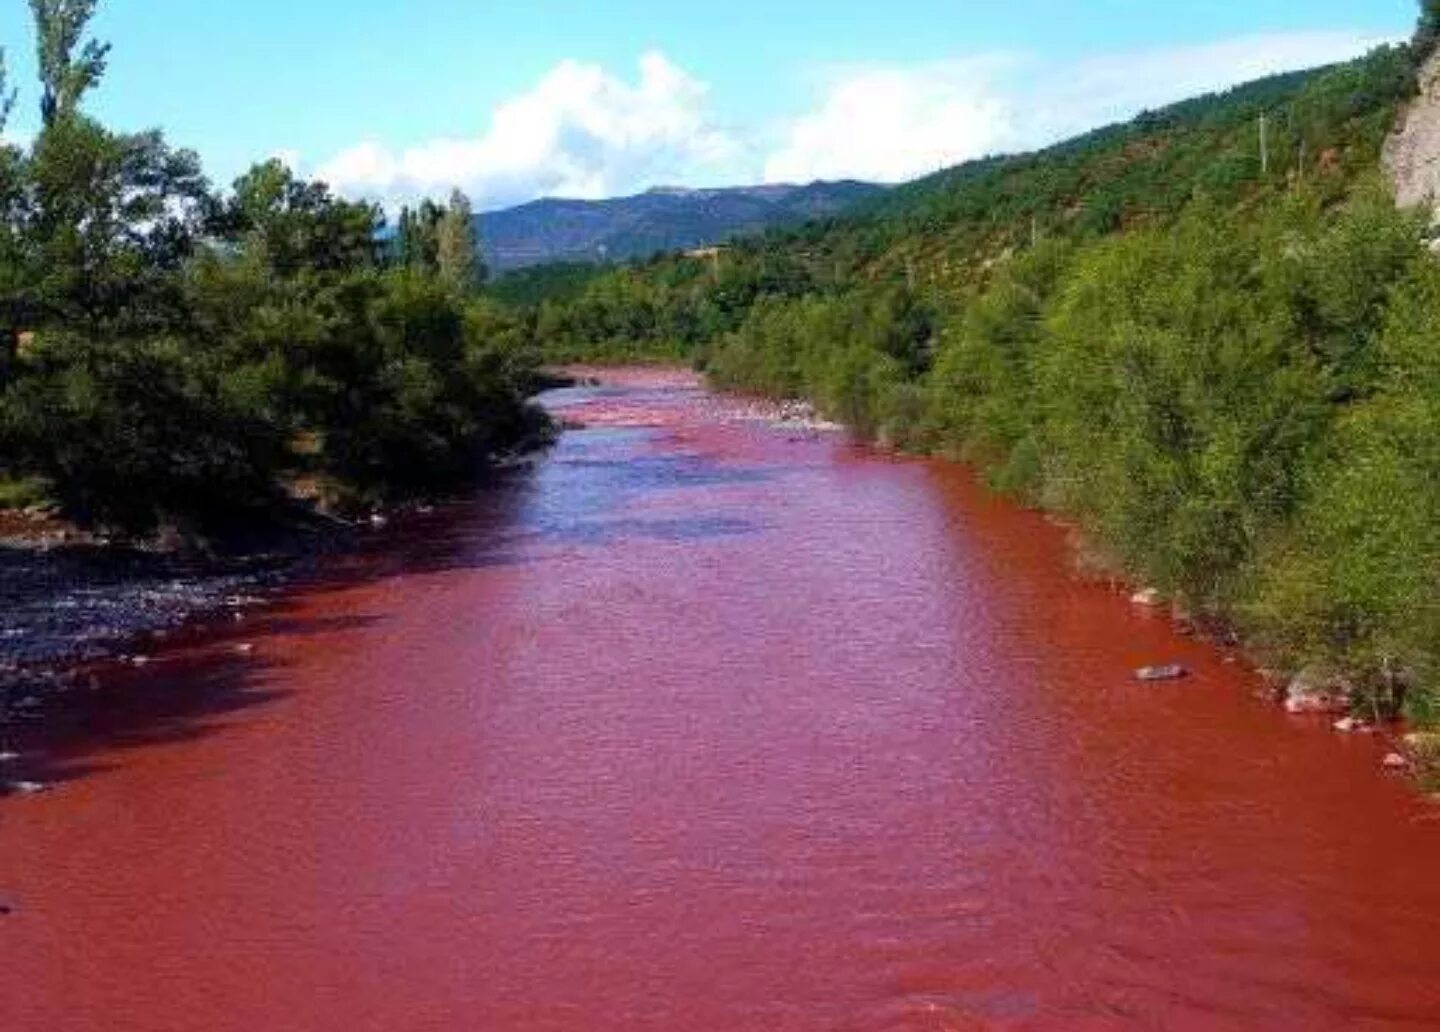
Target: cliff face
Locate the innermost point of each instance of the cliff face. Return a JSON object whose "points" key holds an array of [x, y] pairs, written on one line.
{"points": [[1412, 154]]}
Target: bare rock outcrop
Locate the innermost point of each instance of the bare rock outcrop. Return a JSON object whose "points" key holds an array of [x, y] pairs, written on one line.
{"points": [[1412, 153]]}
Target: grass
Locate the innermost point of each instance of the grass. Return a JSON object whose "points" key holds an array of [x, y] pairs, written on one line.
{"points": [[21, 492]]}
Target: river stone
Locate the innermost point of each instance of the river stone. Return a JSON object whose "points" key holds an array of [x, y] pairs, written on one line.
{"points": [[1173, 672], [1314, 691]]}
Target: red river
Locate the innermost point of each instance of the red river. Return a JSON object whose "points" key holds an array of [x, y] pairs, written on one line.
{"points": [[704, 724]]}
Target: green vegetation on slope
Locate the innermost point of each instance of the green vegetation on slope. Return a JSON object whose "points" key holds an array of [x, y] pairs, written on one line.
{"points": [[1206, 336], [173, 355]]}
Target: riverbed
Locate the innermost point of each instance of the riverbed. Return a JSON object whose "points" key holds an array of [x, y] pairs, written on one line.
{"points": [[708, 721]]}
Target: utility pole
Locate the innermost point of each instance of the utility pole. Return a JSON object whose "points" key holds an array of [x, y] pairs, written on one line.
{"points": [[1264, 146]]}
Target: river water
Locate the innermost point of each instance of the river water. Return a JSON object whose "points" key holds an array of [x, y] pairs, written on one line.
{"points": [[702, 724]]}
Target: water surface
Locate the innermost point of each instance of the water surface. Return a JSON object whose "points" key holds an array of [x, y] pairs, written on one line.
{"points": [[707, 725]]}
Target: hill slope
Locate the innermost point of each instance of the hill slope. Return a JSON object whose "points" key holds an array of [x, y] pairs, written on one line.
{"points": [[660, 220]]}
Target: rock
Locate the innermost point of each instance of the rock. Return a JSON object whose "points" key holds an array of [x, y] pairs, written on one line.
{"points": [[1349, 725], [1394, 761], [1411, 152], [244, 650], [1313, 691], [1149, 598], [9, 757], [26, 787], [1173, 672], [378, 521]]}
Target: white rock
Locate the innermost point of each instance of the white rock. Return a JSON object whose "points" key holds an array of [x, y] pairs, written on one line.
{"points": [[1150, 598], [1314, 692], [27, 787], [9, 757], [1395, 761]]}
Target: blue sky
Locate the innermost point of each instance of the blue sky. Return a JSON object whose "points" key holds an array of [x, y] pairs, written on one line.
{"points": [[514, 100]]}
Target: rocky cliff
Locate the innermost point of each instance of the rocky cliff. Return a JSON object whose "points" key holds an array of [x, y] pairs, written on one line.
{"points": [[1412, 153]]}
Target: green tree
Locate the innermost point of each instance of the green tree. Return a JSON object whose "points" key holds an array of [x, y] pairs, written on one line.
{"points": [[457, 250], [299, 227], [417, 242], [68, 68], [111, 220]]}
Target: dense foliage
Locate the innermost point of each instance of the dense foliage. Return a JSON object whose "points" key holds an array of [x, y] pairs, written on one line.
{"points": [[177, 356], [1206, 336]]}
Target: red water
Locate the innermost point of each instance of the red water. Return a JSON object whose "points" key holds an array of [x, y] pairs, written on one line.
{"points": [[702, 725]]}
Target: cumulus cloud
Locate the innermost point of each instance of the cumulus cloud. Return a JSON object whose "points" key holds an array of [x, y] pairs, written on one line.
{"points": [[895, 123], [580, 132], [890, 124]]}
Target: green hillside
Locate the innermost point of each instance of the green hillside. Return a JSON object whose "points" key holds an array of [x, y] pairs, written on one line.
{"points": [[1206, 336], [948, 231]]}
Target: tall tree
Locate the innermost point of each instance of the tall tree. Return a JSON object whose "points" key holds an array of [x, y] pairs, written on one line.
{"points": [[68, 67], [418, 240], [457, 252]]}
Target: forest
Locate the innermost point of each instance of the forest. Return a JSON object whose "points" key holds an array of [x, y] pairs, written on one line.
{"points": [[1206, 338], [176, 356]]}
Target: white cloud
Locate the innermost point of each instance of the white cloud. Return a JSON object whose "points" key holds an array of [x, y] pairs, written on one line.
{"points": [[896, 123], [890, 124], [580, 132]]}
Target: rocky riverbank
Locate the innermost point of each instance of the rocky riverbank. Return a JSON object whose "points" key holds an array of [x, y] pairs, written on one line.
{"points": [[67, 603]]}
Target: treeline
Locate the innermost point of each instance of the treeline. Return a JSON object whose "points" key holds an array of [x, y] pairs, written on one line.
{"points": [[1207, 337], [174, 355]]}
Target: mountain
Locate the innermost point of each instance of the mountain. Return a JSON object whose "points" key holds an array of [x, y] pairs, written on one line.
{"points": [[663, 219]]}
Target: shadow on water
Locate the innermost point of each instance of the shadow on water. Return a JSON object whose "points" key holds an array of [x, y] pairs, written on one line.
{"points": [[197, 679], [184, 700]]}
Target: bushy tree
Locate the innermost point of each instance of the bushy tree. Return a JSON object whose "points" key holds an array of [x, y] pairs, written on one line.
{"points": [[194, 359], [133, 434]]}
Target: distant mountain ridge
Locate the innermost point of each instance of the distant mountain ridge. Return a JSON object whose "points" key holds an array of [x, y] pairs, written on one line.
{"points": [[662, 219]]}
